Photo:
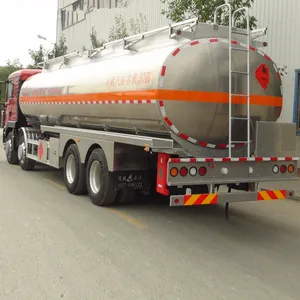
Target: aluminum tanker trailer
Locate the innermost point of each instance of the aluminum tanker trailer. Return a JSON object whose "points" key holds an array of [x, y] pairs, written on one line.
{"points": [[180, 110]]}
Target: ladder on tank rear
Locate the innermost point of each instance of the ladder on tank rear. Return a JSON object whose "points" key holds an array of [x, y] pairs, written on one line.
{"points": [[231, 17]]}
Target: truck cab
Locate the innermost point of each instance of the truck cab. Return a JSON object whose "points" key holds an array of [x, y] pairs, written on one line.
{"points": [[11, 118]]}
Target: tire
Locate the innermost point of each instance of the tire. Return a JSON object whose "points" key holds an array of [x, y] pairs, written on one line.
{"points": [[74, 171], [100, 183], [10, 152], [25, 163]]}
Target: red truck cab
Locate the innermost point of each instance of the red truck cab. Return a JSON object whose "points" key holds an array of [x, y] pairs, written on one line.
{"points": [[12, 118]]}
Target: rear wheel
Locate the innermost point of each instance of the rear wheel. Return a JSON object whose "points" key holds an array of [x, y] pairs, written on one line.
{"points": [[100, 182], [74, 171], [25, 163], [10, 151]]}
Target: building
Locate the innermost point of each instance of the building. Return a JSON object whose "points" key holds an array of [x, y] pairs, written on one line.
{"points": [[77, 18]]}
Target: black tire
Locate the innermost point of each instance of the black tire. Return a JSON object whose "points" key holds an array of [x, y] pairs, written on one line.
{"points": [[101, 190], [125, 196], [25, 163], [75, 180], [10, 151]]}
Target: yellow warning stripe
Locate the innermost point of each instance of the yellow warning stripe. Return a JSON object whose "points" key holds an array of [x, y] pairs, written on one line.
{"points": [[271, 195], [209, 198], [200, 199], [265, 195], [192, 200], [279, 195]]}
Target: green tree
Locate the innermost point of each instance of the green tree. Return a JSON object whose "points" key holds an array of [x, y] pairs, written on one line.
{"points": [[59, 49], [14, 64], [139, 24], [10, 67], [179, 10], [120, 29], [96, 43], [38, 56]]}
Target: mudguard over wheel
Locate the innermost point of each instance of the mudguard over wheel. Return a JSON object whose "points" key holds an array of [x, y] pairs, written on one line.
{"points": [[10, 151], [125, 196], [74, 171], [100, 183]]}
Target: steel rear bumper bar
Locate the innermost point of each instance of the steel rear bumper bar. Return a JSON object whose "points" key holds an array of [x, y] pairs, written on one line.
{"points": [[221, 198]]}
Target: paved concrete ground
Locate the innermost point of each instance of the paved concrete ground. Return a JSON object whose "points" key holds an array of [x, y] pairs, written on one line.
{"points": [[57, 246]]}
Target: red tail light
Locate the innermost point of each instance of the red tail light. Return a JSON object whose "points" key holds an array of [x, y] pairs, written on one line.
{"points": [[183, 171], [202, 171], [283, 169]]}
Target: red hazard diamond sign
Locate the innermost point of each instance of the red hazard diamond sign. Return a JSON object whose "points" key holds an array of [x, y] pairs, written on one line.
{"points": [[262, 75], [40, 150]]}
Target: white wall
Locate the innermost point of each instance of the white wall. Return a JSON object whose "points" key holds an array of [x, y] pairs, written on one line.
{"points": [[280, 16], [283, 22], [103, 19]]}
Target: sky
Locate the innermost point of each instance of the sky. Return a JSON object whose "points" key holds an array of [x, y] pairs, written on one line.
{"points": [[20, 23]]}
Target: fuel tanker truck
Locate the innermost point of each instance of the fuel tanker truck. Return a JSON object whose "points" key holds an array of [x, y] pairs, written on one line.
{"points": [[189, 111]]}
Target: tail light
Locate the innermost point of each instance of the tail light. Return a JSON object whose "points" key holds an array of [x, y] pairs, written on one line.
{"points": [[202, 171], [275, 169], [291, 168], [174, 172], [183, 171], [283, 169]]}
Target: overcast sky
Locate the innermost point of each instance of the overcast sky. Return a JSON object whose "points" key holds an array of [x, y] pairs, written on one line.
{"points": [[20, 23]]}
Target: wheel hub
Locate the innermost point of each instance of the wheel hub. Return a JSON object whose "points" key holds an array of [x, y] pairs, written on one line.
{"points": [[21, 152], [71, 169], [95, 177], [8, 148]]}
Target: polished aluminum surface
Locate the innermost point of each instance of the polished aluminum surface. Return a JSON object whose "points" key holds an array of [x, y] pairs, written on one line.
{"points": [[197, 69]]}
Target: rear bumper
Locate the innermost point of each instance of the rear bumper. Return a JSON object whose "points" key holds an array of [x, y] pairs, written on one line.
{"points": [[221, 198]]}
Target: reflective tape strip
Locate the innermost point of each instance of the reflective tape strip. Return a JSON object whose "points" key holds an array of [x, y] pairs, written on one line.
{"points": [[94, 102], [201, 199], [271, 195], [232, 159]]}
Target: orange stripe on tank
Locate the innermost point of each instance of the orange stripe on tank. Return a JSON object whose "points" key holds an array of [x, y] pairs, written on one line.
{"points": [[171, 95]]}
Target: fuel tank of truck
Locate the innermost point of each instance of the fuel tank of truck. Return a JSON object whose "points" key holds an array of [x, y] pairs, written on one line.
{"points": [[157, 86]]}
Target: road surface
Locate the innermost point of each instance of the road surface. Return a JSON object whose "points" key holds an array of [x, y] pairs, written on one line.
{"points": [[57, 246]]}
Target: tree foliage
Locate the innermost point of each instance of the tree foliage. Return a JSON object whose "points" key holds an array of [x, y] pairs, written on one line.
{"points": [[139, 24], [119, 30], [40, 55], [96, 43], [122, 29], [37, 56], [10, 67], [59, 49], [179, 10]]}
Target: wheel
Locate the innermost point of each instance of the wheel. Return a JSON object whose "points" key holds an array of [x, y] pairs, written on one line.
{"points": [[74, 171], [25, 163], [11, 153], [125, 196], [100, 183]]}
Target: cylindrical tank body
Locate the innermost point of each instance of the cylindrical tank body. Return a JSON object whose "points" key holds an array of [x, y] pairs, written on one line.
{"points": [[164, 86]]}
